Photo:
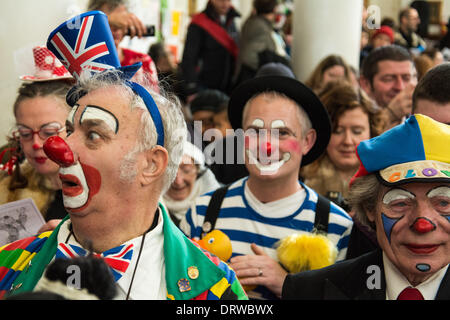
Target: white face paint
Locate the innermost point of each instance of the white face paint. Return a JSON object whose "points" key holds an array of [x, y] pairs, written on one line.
{"points": [[397, 194], [97, 113], [258, 123], [271, 167], [75, 171], [439, 192], [277, 124], [71, 116]]}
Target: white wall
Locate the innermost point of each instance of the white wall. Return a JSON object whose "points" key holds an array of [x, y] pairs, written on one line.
{"points": [[23, 25]]}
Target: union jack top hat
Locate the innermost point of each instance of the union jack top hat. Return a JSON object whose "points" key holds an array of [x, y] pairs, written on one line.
{"points": [[46, 67], [84, 44]]}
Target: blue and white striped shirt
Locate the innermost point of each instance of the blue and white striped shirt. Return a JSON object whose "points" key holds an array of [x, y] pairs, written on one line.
{"points": [[244, 225]]}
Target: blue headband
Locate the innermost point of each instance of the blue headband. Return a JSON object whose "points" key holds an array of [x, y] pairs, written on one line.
{"points": [[152, 108]]}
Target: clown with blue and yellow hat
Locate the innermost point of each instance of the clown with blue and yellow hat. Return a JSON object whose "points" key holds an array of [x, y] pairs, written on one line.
{"points": [[402, 192]]}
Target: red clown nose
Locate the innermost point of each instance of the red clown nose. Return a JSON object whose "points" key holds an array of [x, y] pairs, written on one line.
{"points": [[266, 148], [58, 151], [423, 225]]}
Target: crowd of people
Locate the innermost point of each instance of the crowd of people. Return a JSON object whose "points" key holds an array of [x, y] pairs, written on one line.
{"points": [[137, 159]]}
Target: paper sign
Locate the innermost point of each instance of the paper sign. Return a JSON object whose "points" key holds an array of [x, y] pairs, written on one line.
{"points": [[176, 22], [18, 220]]}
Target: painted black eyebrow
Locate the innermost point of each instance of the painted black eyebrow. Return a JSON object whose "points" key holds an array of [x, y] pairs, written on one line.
{"points": [[103, 109]]}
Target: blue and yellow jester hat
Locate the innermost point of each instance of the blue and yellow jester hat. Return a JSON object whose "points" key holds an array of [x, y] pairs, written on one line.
{"points": [[415, 151]]}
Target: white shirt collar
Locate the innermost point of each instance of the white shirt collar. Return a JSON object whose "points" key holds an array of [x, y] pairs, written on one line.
{"points": [[396, 282], [276, 209]]}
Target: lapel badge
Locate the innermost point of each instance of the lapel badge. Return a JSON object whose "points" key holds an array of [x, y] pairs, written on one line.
{"points": [[17, 286], [193, 272], [183, 285]]}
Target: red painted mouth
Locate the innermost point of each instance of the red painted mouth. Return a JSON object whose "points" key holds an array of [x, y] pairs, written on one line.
{"points": [[71, 185], [422, 248], [40, 160]]}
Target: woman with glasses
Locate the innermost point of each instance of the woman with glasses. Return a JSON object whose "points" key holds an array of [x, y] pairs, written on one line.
{"points": [[192, 180], [40, 111]]}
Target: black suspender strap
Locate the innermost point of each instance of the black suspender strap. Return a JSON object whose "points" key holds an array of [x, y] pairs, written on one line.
{"points": [[212, 212], [322, 214]]}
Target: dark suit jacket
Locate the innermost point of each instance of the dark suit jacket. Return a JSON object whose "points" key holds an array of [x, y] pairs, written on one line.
{"points": [[346, 280]]}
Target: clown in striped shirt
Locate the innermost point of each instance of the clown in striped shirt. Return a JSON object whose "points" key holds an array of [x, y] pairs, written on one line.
{"points": [[284, 126], [246, 220]]}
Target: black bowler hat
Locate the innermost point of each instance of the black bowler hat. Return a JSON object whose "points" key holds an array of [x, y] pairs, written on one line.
{"points": [[294, 90]]}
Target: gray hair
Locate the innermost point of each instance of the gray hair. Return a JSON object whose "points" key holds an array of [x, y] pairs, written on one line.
{"points": [[363, 197], [169, 107], [302, 116]]}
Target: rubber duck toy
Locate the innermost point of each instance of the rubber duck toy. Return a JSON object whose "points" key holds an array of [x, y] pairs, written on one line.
{"points": [[217, 243]]}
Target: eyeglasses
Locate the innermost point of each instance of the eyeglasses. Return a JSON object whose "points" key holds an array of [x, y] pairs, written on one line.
{"points": [[45, 132]]}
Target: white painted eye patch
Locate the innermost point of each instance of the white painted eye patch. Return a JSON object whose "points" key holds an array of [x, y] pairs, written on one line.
{"points": [[258, 123], [397, 194], [98, 113], [71, 115], [439, 192], [277, 124]]}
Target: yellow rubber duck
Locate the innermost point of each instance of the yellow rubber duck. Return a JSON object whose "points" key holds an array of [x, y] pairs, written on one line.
{"points": [[217, 243]]}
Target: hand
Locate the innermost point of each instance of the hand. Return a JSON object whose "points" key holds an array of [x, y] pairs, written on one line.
{"points": [[121, 18], [49, 226], [259, 269], [401, 105]]}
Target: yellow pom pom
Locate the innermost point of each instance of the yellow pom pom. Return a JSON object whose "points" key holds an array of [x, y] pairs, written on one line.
{"points": [[301, 252]]}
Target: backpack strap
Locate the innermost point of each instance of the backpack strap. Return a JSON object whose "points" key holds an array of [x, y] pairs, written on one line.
{"points": [[212, 212], [322, 214]]}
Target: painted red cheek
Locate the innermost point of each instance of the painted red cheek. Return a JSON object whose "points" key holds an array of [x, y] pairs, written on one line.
{"points": [[247, 142], [93, 179], [290, 145], [58, 151]]}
